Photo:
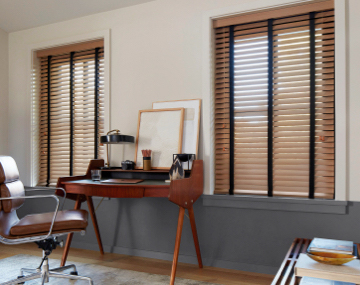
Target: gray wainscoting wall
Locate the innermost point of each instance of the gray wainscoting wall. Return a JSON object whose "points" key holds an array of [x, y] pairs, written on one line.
{"points": [[241, 238]]}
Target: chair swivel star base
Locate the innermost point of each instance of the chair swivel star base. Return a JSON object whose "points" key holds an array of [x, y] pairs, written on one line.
{"points": [[43, 270]]}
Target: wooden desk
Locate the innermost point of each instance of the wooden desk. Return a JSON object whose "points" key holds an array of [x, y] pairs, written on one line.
{"points": [[82, 188], [89, 188]]}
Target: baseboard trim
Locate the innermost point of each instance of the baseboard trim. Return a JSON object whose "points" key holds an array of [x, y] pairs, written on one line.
{"points": [[257, 268]]}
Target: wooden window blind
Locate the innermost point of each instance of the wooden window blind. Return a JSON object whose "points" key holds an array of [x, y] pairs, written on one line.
{"points": [[71, 112], [274, 105]]}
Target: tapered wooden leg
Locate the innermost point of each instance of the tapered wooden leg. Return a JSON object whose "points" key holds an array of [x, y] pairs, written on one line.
{"points": [[94, 220], [69, 237], [195, 236], [177, 245]]}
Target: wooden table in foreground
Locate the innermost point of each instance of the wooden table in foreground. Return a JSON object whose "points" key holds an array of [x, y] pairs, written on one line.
{"points": [[181, 192], [286, 274]]}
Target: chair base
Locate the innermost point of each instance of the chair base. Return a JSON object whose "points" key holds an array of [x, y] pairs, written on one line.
{"points": [[43, 270], [44, 274]]}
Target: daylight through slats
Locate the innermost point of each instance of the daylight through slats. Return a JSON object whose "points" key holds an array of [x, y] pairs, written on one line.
{"points": [[290, 126], [56, 71]]}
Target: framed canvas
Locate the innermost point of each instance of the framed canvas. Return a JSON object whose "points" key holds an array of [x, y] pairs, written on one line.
{"points": [[160, 130], [190, 141]]}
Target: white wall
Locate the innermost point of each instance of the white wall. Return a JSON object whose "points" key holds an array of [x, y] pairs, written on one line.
{"points": [[156, 54], [4, 84]]}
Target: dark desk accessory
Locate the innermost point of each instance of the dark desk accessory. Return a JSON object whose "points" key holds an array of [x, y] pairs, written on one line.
{"points": [[114, 137], [127, 165], [176, 170], [184, 157], [154, 174]]}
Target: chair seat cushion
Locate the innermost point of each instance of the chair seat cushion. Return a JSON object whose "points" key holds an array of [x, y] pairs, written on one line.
{"points": [[66, 221]]}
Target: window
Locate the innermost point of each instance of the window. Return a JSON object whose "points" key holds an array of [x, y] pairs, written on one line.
{"points": [[71, 109], [274, 102]]}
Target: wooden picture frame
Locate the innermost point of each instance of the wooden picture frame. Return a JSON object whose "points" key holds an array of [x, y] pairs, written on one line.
{"points": [[160, 130], [190, 143]]}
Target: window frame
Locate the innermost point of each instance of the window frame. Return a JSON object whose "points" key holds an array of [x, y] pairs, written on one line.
{"points": [[341, 160], [33, 61]]}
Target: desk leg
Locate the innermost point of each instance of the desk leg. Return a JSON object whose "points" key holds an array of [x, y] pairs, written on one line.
{"points": [[195, 236], [69, 237], [94, 220], [177, 244]]}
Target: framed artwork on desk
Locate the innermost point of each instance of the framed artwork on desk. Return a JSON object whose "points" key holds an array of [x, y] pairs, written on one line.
{"points": [[191, 132], [161, 131]]}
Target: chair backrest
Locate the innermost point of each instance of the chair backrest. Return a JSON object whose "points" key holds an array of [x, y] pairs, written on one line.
{"points": [[10, 185]]}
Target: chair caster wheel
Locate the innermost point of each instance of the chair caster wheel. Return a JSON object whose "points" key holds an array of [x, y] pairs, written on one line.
{"points": [[73, 273], [21, 276]]}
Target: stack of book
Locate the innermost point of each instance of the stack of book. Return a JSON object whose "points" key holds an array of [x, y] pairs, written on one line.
{"points": [[318, 281], [331, 245], [328, 274]]}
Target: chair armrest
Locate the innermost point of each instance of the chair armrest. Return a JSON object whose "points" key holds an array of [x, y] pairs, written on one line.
{"points": [[29, 189], [21, 240]]}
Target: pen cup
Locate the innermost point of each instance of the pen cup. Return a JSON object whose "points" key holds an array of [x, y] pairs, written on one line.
{"points": [[147, 163]]}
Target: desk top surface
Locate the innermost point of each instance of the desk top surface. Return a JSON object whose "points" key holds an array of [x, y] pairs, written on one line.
{"points": [[143, 183]]}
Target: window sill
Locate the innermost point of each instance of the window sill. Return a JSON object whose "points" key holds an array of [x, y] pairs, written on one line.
{"points": [[276, 204]]}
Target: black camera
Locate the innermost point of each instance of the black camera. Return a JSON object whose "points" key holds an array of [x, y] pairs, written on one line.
{"points": [[127, 165]]}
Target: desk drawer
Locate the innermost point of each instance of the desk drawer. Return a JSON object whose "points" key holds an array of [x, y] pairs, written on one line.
{"points": [[112, 191], [156, 192]]}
